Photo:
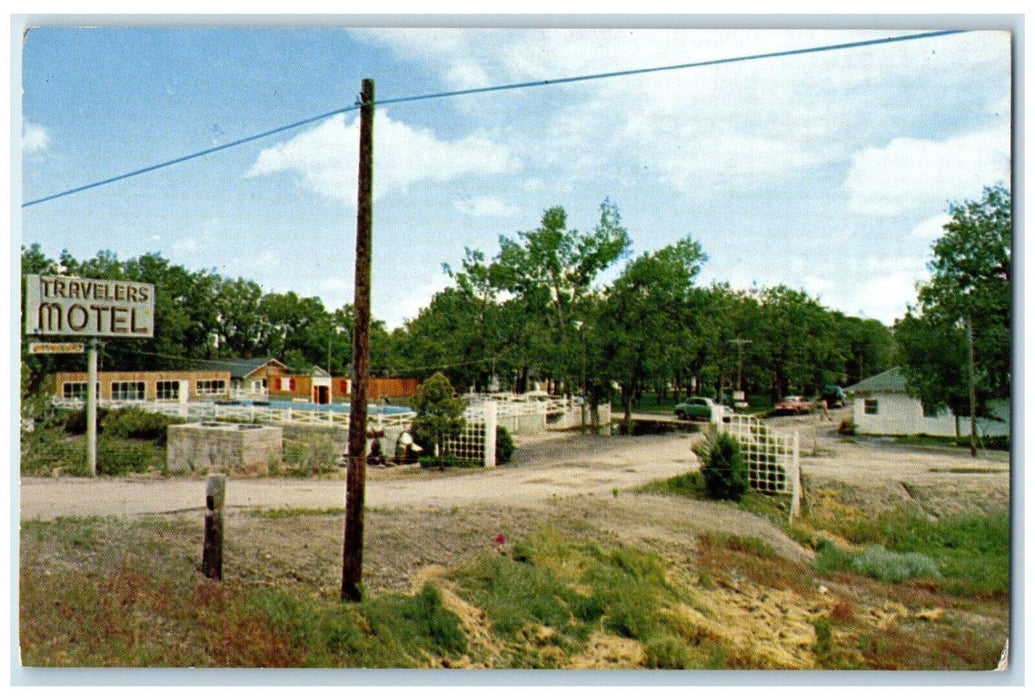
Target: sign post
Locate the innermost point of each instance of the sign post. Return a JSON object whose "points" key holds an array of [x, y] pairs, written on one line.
{"points": [[86, 308], [91, 407]]}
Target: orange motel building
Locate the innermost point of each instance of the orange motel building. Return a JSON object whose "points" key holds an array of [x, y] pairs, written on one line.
{"points": [[226, 380]]}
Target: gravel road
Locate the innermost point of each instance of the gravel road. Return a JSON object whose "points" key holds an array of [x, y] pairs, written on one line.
{"points": [[553, 464], [545, 466]]}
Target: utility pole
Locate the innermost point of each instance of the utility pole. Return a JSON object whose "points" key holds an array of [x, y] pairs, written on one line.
{"points": [[352, 556], [973, 389], [740, 343]]}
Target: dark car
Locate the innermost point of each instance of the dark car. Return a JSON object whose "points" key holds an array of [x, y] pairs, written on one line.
{"points": [[700, 408], [834, 396]]}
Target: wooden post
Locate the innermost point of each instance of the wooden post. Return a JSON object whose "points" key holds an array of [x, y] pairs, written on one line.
{"points": [[212, 550], [352, 556], [972, 389]]}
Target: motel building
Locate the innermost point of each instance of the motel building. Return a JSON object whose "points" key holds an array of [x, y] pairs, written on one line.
{"points": [[258, 379]]}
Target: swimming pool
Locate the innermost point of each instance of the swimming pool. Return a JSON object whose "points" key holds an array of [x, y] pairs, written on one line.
{"points": [[372, 409]]}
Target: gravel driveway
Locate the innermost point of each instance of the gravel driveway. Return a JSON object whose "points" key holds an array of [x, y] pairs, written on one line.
{"points": [[545, 466]]}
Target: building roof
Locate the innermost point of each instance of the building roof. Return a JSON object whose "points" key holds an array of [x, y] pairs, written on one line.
{"points": [[240, 368], [890, 381]]}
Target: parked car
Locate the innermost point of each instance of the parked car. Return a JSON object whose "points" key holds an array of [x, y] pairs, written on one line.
{"points": [[701, 408], [834, 396], [793, 404]]}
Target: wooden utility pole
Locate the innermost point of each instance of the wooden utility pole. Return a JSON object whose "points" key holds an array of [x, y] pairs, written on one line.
{"points": [[352, 557], [973, 389]]}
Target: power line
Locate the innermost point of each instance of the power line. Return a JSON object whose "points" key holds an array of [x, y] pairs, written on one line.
{"points": [[678, 66], [192, 156], [499, 88]]}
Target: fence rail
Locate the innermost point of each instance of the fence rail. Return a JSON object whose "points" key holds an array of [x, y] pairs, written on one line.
{"points": [[252, 413]]}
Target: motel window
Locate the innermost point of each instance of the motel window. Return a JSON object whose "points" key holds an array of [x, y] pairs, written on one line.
{"points": [[127, 391], [77, 390], [211, 387], [168, 390], [870, 407]]}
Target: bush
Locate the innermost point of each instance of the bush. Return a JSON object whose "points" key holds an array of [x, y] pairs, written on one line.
{"points": [[75, 422], [724, 471], [137, 424], [118, 456], [313, 454], [847, 426], [504, 445], [894, 567]]}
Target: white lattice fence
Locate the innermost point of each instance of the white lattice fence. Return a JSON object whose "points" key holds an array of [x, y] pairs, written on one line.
{"points": [[771, 458], [477, 441]]}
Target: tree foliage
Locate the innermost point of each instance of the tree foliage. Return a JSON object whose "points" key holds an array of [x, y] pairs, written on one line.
{"points": [[969, 285], [439, 411], [538, 311]]}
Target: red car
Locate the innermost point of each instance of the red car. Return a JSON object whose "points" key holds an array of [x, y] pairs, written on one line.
{"points": [[793, 404]]}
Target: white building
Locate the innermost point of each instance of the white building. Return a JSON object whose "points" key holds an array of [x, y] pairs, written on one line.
{"points": [[881, 406]]}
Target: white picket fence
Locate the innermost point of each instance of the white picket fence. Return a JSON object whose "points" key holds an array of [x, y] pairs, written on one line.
{"points": [[773, 459], [476, 443], [254, 413]]}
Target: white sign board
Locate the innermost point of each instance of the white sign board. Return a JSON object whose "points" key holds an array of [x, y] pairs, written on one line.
{"points": [[73, 306]]}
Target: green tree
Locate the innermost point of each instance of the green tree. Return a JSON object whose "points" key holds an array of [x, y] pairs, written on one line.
{"points": [[645, 314], [439, 412], [551, 270], [969, 285]]}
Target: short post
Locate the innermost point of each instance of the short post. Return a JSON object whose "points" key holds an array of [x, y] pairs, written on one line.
{"points": [[212, 551]]}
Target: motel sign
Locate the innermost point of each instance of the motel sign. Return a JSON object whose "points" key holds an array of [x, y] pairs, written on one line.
{"points": [[72, 306]]}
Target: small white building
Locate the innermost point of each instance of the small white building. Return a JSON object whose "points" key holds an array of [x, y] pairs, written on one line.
{"points": [[882, 406]]}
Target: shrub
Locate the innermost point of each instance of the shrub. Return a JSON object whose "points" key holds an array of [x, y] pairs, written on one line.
{"points": [[724, 471], [75, 422], [504, 445], [894, 567], [117, 456], [137, 424], [312, 455], [847, 426]]}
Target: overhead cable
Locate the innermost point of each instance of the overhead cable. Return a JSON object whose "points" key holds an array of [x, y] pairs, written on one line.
{"points": [[497, 88]]}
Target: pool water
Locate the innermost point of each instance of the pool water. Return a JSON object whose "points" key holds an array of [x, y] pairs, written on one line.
{"points": [[372, 409]]}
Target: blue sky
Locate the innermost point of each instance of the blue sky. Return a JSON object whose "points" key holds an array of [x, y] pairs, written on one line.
{"points": [[830, 172]]}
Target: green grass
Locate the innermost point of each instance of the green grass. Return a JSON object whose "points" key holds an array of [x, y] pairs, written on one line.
{"points": [[690, 484], [556, 592], [970, 550], [48, 449], [110, 592], [988, 443], [99, 592]]}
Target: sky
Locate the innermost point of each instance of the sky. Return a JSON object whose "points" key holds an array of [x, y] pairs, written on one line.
{"points": [[831, 172]]}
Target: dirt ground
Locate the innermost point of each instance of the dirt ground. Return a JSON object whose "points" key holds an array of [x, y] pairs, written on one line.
{"points": [[419, 517], [419, 522]]}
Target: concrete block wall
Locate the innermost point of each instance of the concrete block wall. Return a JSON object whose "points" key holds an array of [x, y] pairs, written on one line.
{"points": [[205, 447]]}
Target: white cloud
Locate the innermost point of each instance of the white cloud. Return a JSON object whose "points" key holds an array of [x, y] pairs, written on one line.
{"points": [[405, 306], [885, 298], [817, 286], [34, 138], [486, 207], [931, 229], [910, 174], [335, 285], [327, 156]]}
